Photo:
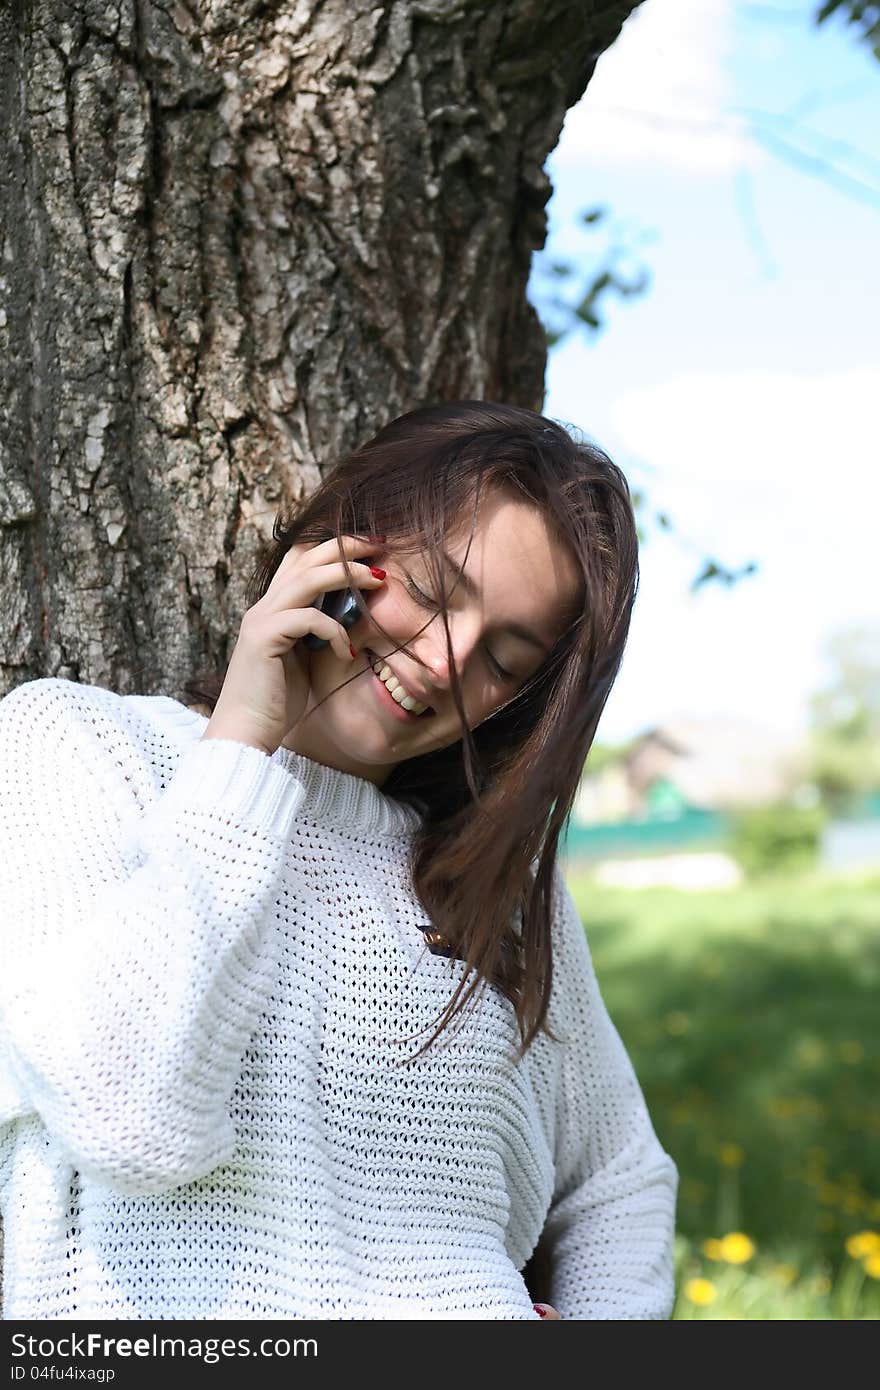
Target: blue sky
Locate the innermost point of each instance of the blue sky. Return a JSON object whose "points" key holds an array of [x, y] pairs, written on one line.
{"points": [[742, 391]]}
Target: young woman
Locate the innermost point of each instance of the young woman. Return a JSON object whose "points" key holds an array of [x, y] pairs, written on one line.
{"points": [[228, 934]]}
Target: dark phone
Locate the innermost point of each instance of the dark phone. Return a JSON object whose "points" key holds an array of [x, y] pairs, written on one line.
{"points": [[339, 604]]}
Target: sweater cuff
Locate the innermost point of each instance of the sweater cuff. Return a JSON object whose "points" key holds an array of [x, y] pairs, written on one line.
{"points": [[222, 775]]}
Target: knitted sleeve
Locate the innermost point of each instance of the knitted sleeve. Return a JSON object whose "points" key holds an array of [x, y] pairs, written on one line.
{"points": [[609, 1232], [137, 944]]}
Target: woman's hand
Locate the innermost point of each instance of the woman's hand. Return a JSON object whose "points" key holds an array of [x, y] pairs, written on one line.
{"points": [[546, 1310], [266, 688]]}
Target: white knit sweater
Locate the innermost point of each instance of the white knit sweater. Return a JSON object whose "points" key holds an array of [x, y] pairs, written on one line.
{"points": [[212, 969]]}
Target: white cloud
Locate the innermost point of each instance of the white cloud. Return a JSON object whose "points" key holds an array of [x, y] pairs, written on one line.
{"points": [[801, 432], [773, 466], [657, 97]]}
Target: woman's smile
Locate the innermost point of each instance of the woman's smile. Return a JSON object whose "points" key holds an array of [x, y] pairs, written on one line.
{"points": [[385, 697]]}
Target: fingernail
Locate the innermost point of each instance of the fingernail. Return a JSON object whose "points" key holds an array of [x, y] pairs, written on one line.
{"points": [[352, 650], [538, 1309], [376, 572]]}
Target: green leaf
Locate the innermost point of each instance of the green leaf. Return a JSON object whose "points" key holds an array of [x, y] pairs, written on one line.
{"points": [[709, 571]]}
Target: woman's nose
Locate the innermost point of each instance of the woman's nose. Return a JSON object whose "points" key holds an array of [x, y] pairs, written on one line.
{"points": [[431, 649]]}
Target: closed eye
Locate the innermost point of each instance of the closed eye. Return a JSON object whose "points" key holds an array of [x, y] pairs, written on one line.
{"points": [[427, 602]]}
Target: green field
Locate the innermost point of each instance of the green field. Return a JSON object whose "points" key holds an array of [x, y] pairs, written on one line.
{"points": [[751, 1017]]}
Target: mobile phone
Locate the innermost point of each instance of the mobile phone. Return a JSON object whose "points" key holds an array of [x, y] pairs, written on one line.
{"points": [[340, 604]]}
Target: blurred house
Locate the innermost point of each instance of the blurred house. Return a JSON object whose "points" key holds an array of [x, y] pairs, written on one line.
{"points": [[692, 764], [661, 812], [853, 842], [605, 796], [694, 872]]}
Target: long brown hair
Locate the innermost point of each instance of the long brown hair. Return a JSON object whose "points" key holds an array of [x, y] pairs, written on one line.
{"points": [[493, 804]]}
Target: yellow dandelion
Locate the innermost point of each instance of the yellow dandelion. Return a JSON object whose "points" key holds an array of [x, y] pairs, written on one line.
{"points": [[851, 1052], [785, 1274], [781, 1107], [676, 1023], [696, 1191], [736, 1248], [811, 1051], [712, 1249], [851, 1203], [700, 1291], [872, 1265], [731, 1155], [863, 1244]]}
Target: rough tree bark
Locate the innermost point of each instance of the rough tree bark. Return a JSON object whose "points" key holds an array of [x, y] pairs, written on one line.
{"points": [[236, 237]]}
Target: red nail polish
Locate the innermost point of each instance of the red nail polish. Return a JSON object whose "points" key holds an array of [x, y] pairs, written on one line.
{"points": [[352, 650], [542, 1312], [376, 572]]}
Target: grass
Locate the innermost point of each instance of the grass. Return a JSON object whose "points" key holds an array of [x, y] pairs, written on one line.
{"points": [[751, 1019]]}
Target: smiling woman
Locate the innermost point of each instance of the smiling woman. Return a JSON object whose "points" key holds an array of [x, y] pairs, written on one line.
{"points": [[520, 542], [227, 931], [524, 585]]}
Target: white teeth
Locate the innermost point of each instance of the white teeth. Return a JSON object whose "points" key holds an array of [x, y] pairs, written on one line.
{"points": [[396, 690]]}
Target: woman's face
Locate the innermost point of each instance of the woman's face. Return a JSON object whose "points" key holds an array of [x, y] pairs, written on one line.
{"points": [[508, 608]]}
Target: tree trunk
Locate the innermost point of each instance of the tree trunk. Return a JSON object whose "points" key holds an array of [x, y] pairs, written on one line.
{"points": [[237, 237]]}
